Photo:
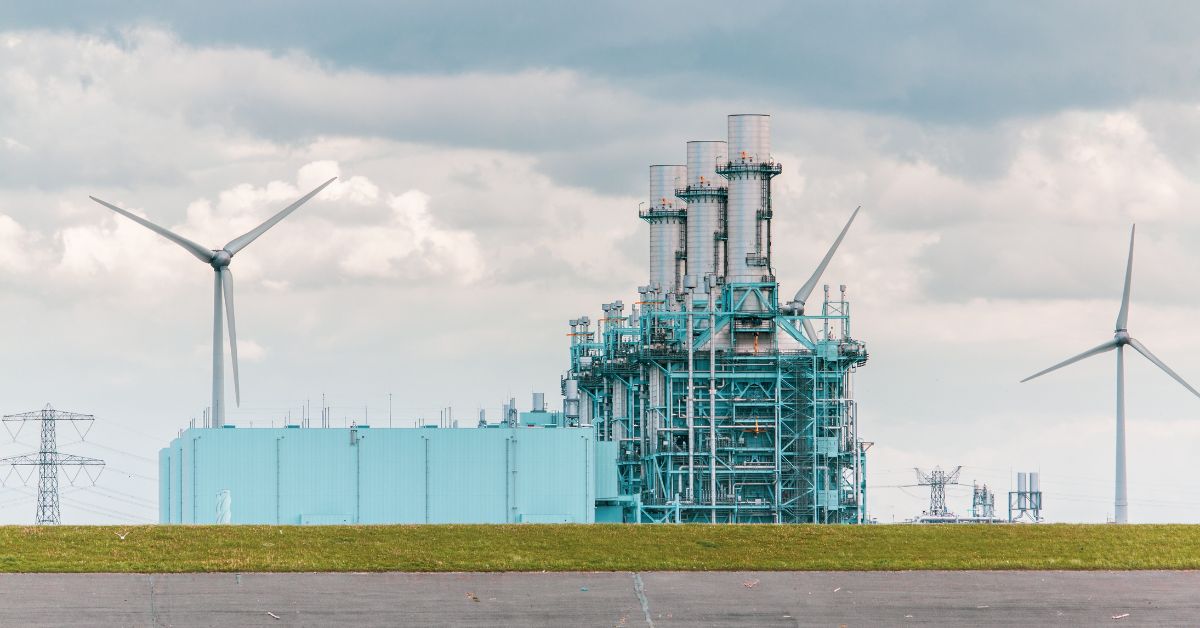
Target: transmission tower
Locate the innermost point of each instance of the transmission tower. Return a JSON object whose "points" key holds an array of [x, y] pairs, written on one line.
{"points": [[937, 480], [48, 461]]}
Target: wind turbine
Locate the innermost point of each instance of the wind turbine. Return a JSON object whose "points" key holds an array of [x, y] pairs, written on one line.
{"points": [[219, 259], [797, 303], [1121, 338]]}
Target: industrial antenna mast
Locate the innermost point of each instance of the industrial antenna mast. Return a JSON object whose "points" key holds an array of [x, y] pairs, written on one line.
{"points": [[48, 460], [936, 480]]}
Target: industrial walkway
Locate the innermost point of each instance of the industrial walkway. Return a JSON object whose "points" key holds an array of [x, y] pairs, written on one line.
{"points": [[605, 599]]}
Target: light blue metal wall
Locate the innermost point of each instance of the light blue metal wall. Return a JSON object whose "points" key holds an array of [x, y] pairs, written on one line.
{"points": [[372, 475]]}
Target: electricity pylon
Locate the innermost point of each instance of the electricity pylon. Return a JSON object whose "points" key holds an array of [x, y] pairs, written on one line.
{"points": [[48, 460], [937, 480]]}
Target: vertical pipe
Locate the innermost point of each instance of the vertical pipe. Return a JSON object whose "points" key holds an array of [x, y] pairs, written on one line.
{"points": [[778, 440], [712, 399], [691, 362], [1121, 506], [812, 443], [859, 496], [669, 487], [643, 443]]}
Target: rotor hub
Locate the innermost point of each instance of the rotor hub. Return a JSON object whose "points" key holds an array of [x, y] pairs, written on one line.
{"points": [[221, 259], [1122, 337]]}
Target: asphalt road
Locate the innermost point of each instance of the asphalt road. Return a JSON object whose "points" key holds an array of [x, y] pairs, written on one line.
{"points": [[1055, 598]]}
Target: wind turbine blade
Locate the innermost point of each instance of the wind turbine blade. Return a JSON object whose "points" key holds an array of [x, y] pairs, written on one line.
{"points": [[1141, 348], [809, 330], [1104, 348], [227, 288], [803, 293], [203, 254], [241, 242], [1123, 315]]}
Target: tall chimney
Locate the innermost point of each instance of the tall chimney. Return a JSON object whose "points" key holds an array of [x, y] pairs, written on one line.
{"points": [[666, 215], [749, 171], [705, 194]]}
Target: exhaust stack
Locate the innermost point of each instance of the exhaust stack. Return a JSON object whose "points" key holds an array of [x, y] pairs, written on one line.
{"points": [[749, 170], [705, 194], [666, 215]]}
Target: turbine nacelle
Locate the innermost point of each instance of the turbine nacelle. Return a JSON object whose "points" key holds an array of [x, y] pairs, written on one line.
{"points": [[221, 259], [793, 308]]}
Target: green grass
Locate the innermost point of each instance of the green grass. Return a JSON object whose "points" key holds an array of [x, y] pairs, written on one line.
{"points": [[595, 548]]}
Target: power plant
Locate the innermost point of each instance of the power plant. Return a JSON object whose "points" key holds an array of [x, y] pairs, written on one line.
{"points": [[727, 404], [712, 400]]}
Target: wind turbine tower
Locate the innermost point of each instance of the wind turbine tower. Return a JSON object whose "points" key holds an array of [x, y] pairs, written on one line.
{"points": [[220, 259], [1120, 340]]}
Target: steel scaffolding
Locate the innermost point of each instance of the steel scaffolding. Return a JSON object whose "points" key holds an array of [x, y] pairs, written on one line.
{"points": [[766, 431]]}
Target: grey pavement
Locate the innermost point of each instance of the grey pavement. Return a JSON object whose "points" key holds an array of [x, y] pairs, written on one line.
{"points": [[949, 598]]}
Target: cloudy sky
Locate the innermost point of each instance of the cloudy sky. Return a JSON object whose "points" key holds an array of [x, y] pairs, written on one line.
{"points": [[491, 160]]}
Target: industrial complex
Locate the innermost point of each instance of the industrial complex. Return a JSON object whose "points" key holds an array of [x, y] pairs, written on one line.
{"points": [[729, 403], [713, 398]]}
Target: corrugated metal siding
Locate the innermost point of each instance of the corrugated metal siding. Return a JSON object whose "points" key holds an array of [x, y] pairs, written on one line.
{"points": [[372, 475]]}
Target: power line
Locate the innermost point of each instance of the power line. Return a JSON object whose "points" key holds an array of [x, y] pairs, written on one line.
{"points": [[117, 515]]}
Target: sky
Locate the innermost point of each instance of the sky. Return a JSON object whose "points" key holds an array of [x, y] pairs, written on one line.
{"points": [[491, 158]]}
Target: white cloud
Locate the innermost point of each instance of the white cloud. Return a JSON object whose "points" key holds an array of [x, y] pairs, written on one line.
{"points": [[410, 245], [16, 247]]}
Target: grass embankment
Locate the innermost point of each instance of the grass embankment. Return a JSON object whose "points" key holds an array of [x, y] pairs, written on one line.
{"points": [[595, 548]]}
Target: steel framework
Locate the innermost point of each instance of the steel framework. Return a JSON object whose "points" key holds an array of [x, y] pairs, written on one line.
{"points": [[48, 460], [762, 427], [937, 480]]}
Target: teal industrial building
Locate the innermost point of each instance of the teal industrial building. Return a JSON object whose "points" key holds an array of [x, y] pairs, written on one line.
{"points": [[363, 475]]}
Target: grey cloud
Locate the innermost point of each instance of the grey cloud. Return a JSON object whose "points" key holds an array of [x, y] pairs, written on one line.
{"points": [[925, 60]]}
